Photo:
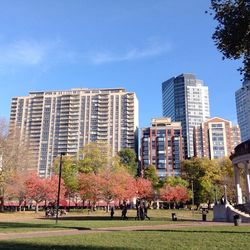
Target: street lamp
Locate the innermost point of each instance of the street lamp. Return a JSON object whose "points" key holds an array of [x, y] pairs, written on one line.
{"points": [[215, 196], [192, 183], [225, 193], [59, 187]]}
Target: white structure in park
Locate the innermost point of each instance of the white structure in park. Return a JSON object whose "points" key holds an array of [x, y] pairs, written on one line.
{"points": [[241, 161], [64, 121]]}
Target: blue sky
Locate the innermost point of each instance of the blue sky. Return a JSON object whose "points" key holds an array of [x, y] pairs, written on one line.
{"points": [[136, 44]]}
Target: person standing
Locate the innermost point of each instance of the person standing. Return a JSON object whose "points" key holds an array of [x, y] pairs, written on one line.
{"points": [[146, 212]]}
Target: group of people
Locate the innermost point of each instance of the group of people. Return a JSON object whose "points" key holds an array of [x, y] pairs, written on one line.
{"points": [[141, 211], [51, 212]]}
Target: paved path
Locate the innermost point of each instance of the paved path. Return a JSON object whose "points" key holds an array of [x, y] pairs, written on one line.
{"points": [[8, 236]]}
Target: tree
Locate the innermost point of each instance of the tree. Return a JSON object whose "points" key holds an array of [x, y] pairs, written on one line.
{"points": [[89, 187], [232, 35], [125, 185], [51, 187], [94, 157], [128, 159], [69, 174], [150, 173], [36, 189], [204, 174], [15, 187], [226, 178], [143, 188], [174, 181], [174, 193], [14, 156], [109, 187]]}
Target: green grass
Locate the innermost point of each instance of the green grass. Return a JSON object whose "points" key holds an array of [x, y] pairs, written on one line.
{"points": [[96, 219], [218, 237]]}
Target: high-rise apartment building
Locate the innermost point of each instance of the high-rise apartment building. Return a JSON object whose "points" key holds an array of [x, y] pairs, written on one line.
{"points": [[186, 99], [215, 138], [55, 122], [243, 109], [161, 146]]}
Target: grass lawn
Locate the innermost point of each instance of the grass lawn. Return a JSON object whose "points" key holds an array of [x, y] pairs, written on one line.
{"points": [[218, 237], [26, 221]]}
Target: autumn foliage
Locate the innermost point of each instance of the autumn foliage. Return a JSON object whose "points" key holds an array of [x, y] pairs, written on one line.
{"points": [[143, 188], [40, 189], [174, 194]]}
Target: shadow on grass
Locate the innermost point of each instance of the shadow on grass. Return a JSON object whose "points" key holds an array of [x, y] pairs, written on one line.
{"points": [[17, 245], [106, 218], [193, 231], [18, 225]]}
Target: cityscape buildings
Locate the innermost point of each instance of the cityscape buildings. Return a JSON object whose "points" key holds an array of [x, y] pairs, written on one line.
{"points": [[215, 138], [161, 146], [242, 97], [55, 122], [186, 99]]}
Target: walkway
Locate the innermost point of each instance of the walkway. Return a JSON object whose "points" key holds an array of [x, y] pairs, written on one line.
{"points": [[8, 236]]}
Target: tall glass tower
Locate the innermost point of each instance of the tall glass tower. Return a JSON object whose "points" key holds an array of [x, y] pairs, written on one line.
{"points": [[242, 97], [186, 99]]}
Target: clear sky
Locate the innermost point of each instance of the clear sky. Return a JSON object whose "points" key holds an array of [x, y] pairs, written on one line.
{"points": [[135, 44]]}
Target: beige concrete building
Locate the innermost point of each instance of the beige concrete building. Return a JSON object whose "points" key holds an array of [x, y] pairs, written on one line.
{"points": [[215, 138], [161, 146], [55, 122]]}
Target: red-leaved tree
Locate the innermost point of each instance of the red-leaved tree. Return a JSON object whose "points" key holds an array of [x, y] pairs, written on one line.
{"points": [[174, 194], [51, 185], [89, 187], [143, 188], [36, 188], [125, 186]]}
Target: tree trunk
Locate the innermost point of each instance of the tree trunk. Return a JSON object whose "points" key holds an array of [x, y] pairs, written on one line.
{"points": [[1, 204], [69, 204], [36, 208]]}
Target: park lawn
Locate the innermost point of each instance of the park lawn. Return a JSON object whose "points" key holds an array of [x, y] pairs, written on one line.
{"points": [[217, 237], [98, 219], [81, 224]]}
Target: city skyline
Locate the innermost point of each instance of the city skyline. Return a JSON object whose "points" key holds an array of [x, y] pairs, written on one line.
{"points": [[42, 51]]}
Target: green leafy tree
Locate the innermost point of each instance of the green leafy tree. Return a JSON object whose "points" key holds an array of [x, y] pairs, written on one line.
{"points": [[93, 157], [129, 160], [232, 34], [150, 173], [174, 181], [226, 178], [69, 173], [204, 174]]}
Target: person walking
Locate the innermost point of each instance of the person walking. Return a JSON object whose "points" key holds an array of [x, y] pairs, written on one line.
{"points": [[124, 211], [112, 212], [146, 212]]}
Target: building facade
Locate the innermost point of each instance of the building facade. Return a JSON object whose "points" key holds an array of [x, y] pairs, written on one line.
{"points": [[161, 146], [57, 122], [186, 99], [215, 138], [242, 97]]}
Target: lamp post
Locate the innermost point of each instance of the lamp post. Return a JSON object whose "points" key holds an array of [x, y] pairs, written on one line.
{"points": [[225, 193], [192, 183], [1, 182], [215, 196], [59, 187]]}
